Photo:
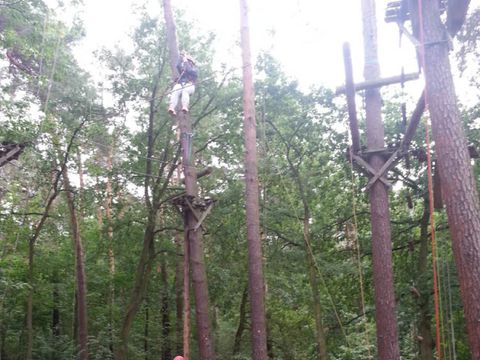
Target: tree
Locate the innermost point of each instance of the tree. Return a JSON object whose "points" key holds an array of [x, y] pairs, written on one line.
{"points": [[459, 189]]}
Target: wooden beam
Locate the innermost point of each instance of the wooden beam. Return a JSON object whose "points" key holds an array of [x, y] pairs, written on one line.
{"points": [[350, 93], [370, 169], [413, 123], [10, 155], [380, 82]]}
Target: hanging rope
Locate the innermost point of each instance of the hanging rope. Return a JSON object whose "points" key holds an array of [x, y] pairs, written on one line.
{"points": [[358, 257], [430, 185]]}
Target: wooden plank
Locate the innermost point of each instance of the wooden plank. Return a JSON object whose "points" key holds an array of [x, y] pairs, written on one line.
{"points": [[383, 169], [10, 155], [380, 82], [350, 93], [370, 169]]}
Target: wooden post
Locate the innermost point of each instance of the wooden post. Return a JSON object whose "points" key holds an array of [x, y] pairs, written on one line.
{"points": [[255, 263], [350, 93], [387, 338]]}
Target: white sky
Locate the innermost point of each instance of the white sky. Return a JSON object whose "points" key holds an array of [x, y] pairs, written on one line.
{"points": [[306, 36]]}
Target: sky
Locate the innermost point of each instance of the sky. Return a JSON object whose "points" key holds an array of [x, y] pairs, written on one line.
{"points": [[306, 36]]}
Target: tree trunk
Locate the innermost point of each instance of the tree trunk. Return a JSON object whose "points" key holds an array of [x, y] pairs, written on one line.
{"points": [[255, 265], [164, 311], [193, 237], [387, 338], [81, 284], [458, 183]]}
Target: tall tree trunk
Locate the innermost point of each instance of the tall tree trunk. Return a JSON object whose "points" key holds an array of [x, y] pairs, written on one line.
{"points": [[425, 320], [164, 311], [255, 265], [458, 182], [387, 338], [81, 283], [194, 237]]}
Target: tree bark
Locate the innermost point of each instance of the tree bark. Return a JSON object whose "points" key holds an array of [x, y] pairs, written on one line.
{"points": [[387, 338], [458, 183], [255, 264], [193, 237], [81, 283]]}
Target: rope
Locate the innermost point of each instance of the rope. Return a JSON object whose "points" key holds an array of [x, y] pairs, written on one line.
{"points": [[358, 257], [430, 185]]}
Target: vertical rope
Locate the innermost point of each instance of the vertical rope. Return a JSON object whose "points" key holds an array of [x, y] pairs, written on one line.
{"points": [[430, 185], [357, 248]]}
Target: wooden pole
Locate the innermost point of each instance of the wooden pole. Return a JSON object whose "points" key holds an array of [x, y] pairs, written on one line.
{"points": [[350, 93], [255, 263], [387, 338]]}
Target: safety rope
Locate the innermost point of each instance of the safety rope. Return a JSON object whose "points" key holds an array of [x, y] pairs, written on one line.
{"points": [[430, 184], [358, 255]]}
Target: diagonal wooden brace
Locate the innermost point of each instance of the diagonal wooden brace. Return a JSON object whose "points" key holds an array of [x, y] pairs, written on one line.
{"points": [[371, 170], [389, 163], [195, 214], [204, 215]]}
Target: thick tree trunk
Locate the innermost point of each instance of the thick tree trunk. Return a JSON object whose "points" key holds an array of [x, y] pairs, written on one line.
{"points": [[458, 183], [81, 283], [255, 263], [193, 237], [387, 338]]}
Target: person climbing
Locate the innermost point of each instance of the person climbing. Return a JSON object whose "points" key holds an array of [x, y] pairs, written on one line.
{"points": [[185, 84]]}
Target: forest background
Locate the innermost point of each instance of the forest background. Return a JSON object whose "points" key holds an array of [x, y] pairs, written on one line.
{"points": [[97, 133]]}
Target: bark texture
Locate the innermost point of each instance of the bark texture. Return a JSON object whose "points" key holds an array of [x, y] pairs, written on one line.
{"points": [[458, 183], [387, 337], [255, 264]]}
